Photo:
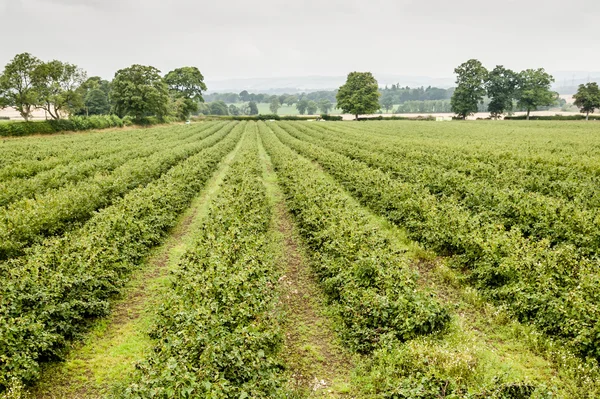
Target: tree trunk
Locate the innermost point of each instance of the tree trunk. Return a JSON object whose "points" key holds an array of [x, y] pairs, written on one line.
{"points": [[528, 110], [356, 117], [587, 116]]}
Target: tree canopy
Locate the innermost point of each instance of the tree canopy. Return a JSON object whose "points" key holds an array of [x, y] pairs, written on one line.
{"points": [[139, 91], [359, 95], [186, 82], [470, 80], [325, 106], [275, 104], [501, 85], [587, 98], [17, 84], [534, 89], [56, 84]]}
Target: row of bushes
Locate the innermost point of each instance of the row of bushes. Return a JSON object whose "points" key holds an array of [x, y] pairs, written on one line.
{"points": [[217, 333], [397, 118], [552, 118], [29, 220], [368, 283], [553, 288], [261, 117], [48, 297], [76, 123]]}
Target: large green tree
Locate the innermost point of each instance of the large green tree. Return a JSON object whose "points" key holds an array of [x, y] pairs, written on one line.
{"points": [[186, 84], [359, 95], [95, 92], [218, 108], [139, 91], [17, 86], [311, 107], [470, 80], [57, 84], [252, 108], [387, 102], [325, 106], [501, 85], [275, 104], [587, 98], [534, 90], [301, 106]]}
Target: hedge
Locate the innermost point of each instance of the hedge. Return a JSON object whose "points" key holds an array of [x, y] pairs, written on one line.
{"points": [[76, 123], [553, 118], [260, 117]]}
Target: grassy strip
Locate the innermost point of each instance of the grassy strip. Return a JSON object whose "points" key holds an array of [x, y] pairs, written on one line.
{"points": [[553, 288], [48, 297], [218, 333], [317, 363], [30, 220], [371, 288]]}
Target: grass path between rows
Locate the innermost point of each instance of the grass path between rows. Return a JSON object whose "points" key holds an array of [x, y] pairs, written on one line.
{"points": [[317, 364], [107, 355]]}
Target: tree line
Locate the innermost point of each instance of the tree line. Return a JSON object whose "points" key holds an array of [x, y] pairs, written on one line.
{"points": [[505, 88], [62, 89]]}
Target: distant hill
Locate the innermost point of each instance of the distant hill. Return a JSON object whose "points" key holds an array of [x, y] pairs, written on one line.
{"points": [[566, 82]]}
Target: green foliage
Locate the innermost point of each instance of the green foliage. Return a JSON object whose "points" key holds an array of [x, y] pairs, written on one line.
{"points": [[359, 95], [469, 92], [252, 108], [274, 106], [17, 84], [218, 108], [75, 123], [217, 332], [530, 252], [29, 220], [186, 85], [186, 82], [387, 102], [501, 85], [56, 84], [311, 107], [327, 117], [587, 98], [368, 282], [325, 106], [48, 297], [534, 89], [139, 91], [94, 93], [301, 106]]}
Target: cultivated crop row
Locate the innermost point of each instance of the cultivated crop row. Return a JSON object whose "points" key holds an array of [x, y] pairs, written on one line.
{"points": [[77, 170], [29, 220], [537, 216], [370, 285], [570, 174], [29, 156], [217, 333], [553, 287], [48, 297]]}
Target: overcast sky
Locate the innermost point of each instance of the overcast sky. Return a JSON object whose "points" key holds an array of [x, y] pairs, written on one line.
{"points": [[263, 38]]}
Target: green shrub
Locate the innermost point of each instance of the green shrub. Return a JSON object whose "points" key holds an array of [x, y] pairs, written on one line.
{"points": [[327, 117]]}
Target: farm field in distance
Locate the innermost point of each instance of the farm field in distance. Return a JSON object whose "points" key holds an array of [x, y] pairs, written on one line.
{"points": [[379, 259]]}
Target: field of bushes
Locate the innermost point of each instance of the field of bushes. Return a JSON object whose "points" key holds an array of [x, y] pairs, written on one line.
{"points": [[453, 260]]}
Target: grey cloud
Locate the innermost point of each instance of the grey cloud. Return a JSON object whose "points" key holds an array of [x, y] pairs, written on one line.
{"points": [[263, 38]]}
